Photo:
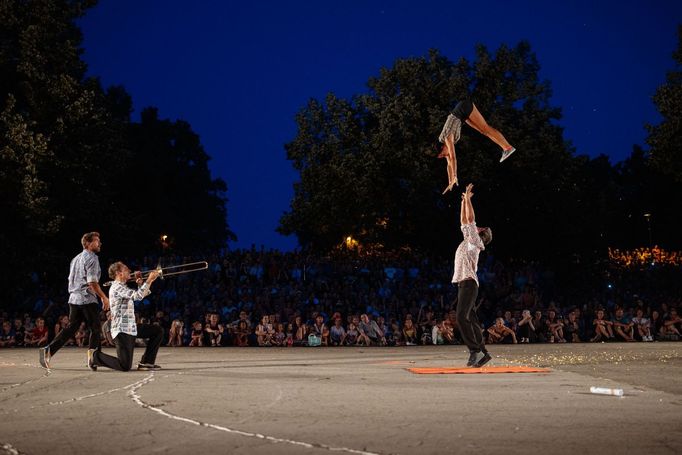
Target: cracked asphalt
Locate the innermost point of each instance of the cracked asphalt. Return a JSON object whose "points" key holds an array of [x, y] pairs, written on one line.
{"points": [[346, 400]]}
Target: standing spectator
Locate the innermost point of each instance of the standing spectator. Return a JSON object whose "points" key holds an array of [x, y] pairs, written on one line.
{"points": [[602, 328], [337, 334], [623, 326], [7, 338], [500, 333], [643, 326], [37, 336], [176, 333], [525, 327], [197, 335]]}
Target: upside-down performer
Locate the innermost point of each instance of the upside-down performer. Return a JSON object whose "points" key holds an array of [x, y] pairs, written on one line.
{"points": [[466, 111], [466, 266], [124, 330]]}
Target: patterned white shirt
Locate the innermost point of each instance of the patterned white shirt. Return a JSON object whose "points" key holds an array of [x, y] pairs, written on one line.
{"points": [[466, 257], [84, 269], [121, 302]]}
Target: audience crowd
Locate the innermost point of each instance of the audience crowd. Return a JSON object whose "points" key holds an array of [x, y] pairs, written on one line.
{"points": [[258, 298]]}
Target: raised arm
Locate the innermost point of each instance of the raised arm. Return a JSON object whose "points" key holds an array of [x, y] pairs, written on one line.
{"points": [[470, 216], [463, 211]]}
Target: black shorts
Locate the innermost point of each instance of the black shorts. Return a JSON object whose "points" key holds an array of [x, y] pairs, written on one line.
{"points": [[463, 110]]}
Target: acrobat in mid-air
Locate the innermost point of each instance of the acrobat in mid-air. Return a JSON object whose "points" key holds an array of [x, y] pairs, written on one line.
{"points": [[466, 111]]}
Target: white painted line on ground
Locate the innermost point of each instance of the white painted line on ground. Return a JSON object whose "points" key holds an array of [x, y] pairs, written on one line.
{"points": [[8, 448], [132, 393]]}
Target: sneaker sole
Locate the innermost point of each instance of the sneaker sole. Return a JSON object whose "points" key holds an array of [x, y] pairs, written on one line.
{"points": [[507, 156]]}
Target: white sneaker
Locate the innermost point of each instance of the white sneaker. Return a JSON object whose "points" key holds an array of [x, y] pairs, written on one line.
{"points": [[507, 153]]}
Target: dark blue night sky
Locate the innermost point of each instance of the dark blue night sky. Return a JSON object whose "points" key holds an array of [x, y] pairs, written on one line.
{"points": [[239, 72]]}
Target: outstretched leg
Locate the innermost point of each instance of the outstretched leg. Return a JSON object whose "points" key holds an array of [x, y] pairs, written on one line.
{"points": [[477, 122], [448, 153]]}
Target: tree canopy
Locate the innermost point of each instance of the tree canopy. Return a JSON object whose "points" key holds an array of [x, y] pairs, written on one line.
{"points": [[72, 161]]}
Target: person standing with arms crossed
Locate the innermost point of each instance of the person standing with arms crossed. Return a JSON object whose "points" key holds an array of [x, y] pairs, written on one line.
{"points": [[84, 288], [466, 266]]}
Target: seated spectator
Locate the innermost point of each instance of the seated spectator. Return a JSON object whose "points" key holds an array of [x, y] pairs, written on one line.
{"points": [[301, 336], [213, 331], [572, 328], [107, 340], [80, 335], [539, 327], [337, 334], [409, 333], [61, 325], [623, 326], [642, 325], [437, 333], [197, 335], [264, 332], [370, 333], [509, 321], [320, 330], [396, 335], [447, 331], [500, 333], [241, 333], [280, 337], [555, 328], [38, 336], [672, 325], [7, 338], [176, 333], [19, 332], [525, 327], [290, 335], [352, 335], [603, 330], [656, 324]]}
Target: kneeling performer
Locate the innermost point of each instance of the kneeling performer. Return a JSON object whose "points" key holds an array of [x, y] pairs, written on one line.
{"points": [[124, 330]]}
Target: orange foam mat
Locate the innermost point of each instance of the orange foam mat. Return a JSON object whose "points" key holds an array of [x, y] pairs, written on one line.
{"points": [[483, 370]]}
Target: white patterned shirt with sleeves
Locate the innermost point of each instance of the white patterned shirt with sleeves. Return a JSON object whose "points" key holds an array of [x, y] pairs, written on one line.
{"points": [[121, 302], [84, 269], [466, 257]]}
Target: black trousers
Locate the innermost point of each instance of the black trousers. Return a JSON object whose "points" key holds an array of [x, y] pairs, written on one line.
{"points": [[469, 326], [77, 314], [125, 345]]}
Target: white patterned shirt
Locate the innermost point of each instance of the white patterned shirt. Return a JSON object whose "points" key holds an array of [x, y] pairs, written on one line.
{"points": [[84, 269], [466, 257], [121, 302]]}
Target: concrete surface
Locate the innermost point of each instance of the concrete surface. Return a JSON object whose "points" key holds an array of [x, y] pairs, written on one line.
{"points": [[346, 400]]}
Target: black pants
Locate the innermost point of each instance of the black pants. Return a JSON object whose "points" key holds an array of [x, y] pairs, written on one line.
{"points": [[125, 345], [469, 327], [77, 314]]}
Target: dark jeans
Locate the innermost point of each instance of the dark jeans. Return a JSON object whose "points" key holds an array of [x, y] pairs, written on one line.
{"points": [[125, 345], [77, 314], [469, 327]]}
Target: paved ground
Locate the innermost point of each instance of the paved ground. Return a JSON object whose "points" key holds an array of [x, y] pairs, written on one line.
{"points": [[321, 400]]}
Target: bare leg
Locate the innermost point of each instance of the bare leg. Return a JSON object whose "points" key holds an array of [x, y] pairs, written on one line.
{"points": [[477, 122], [448, 153]]}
